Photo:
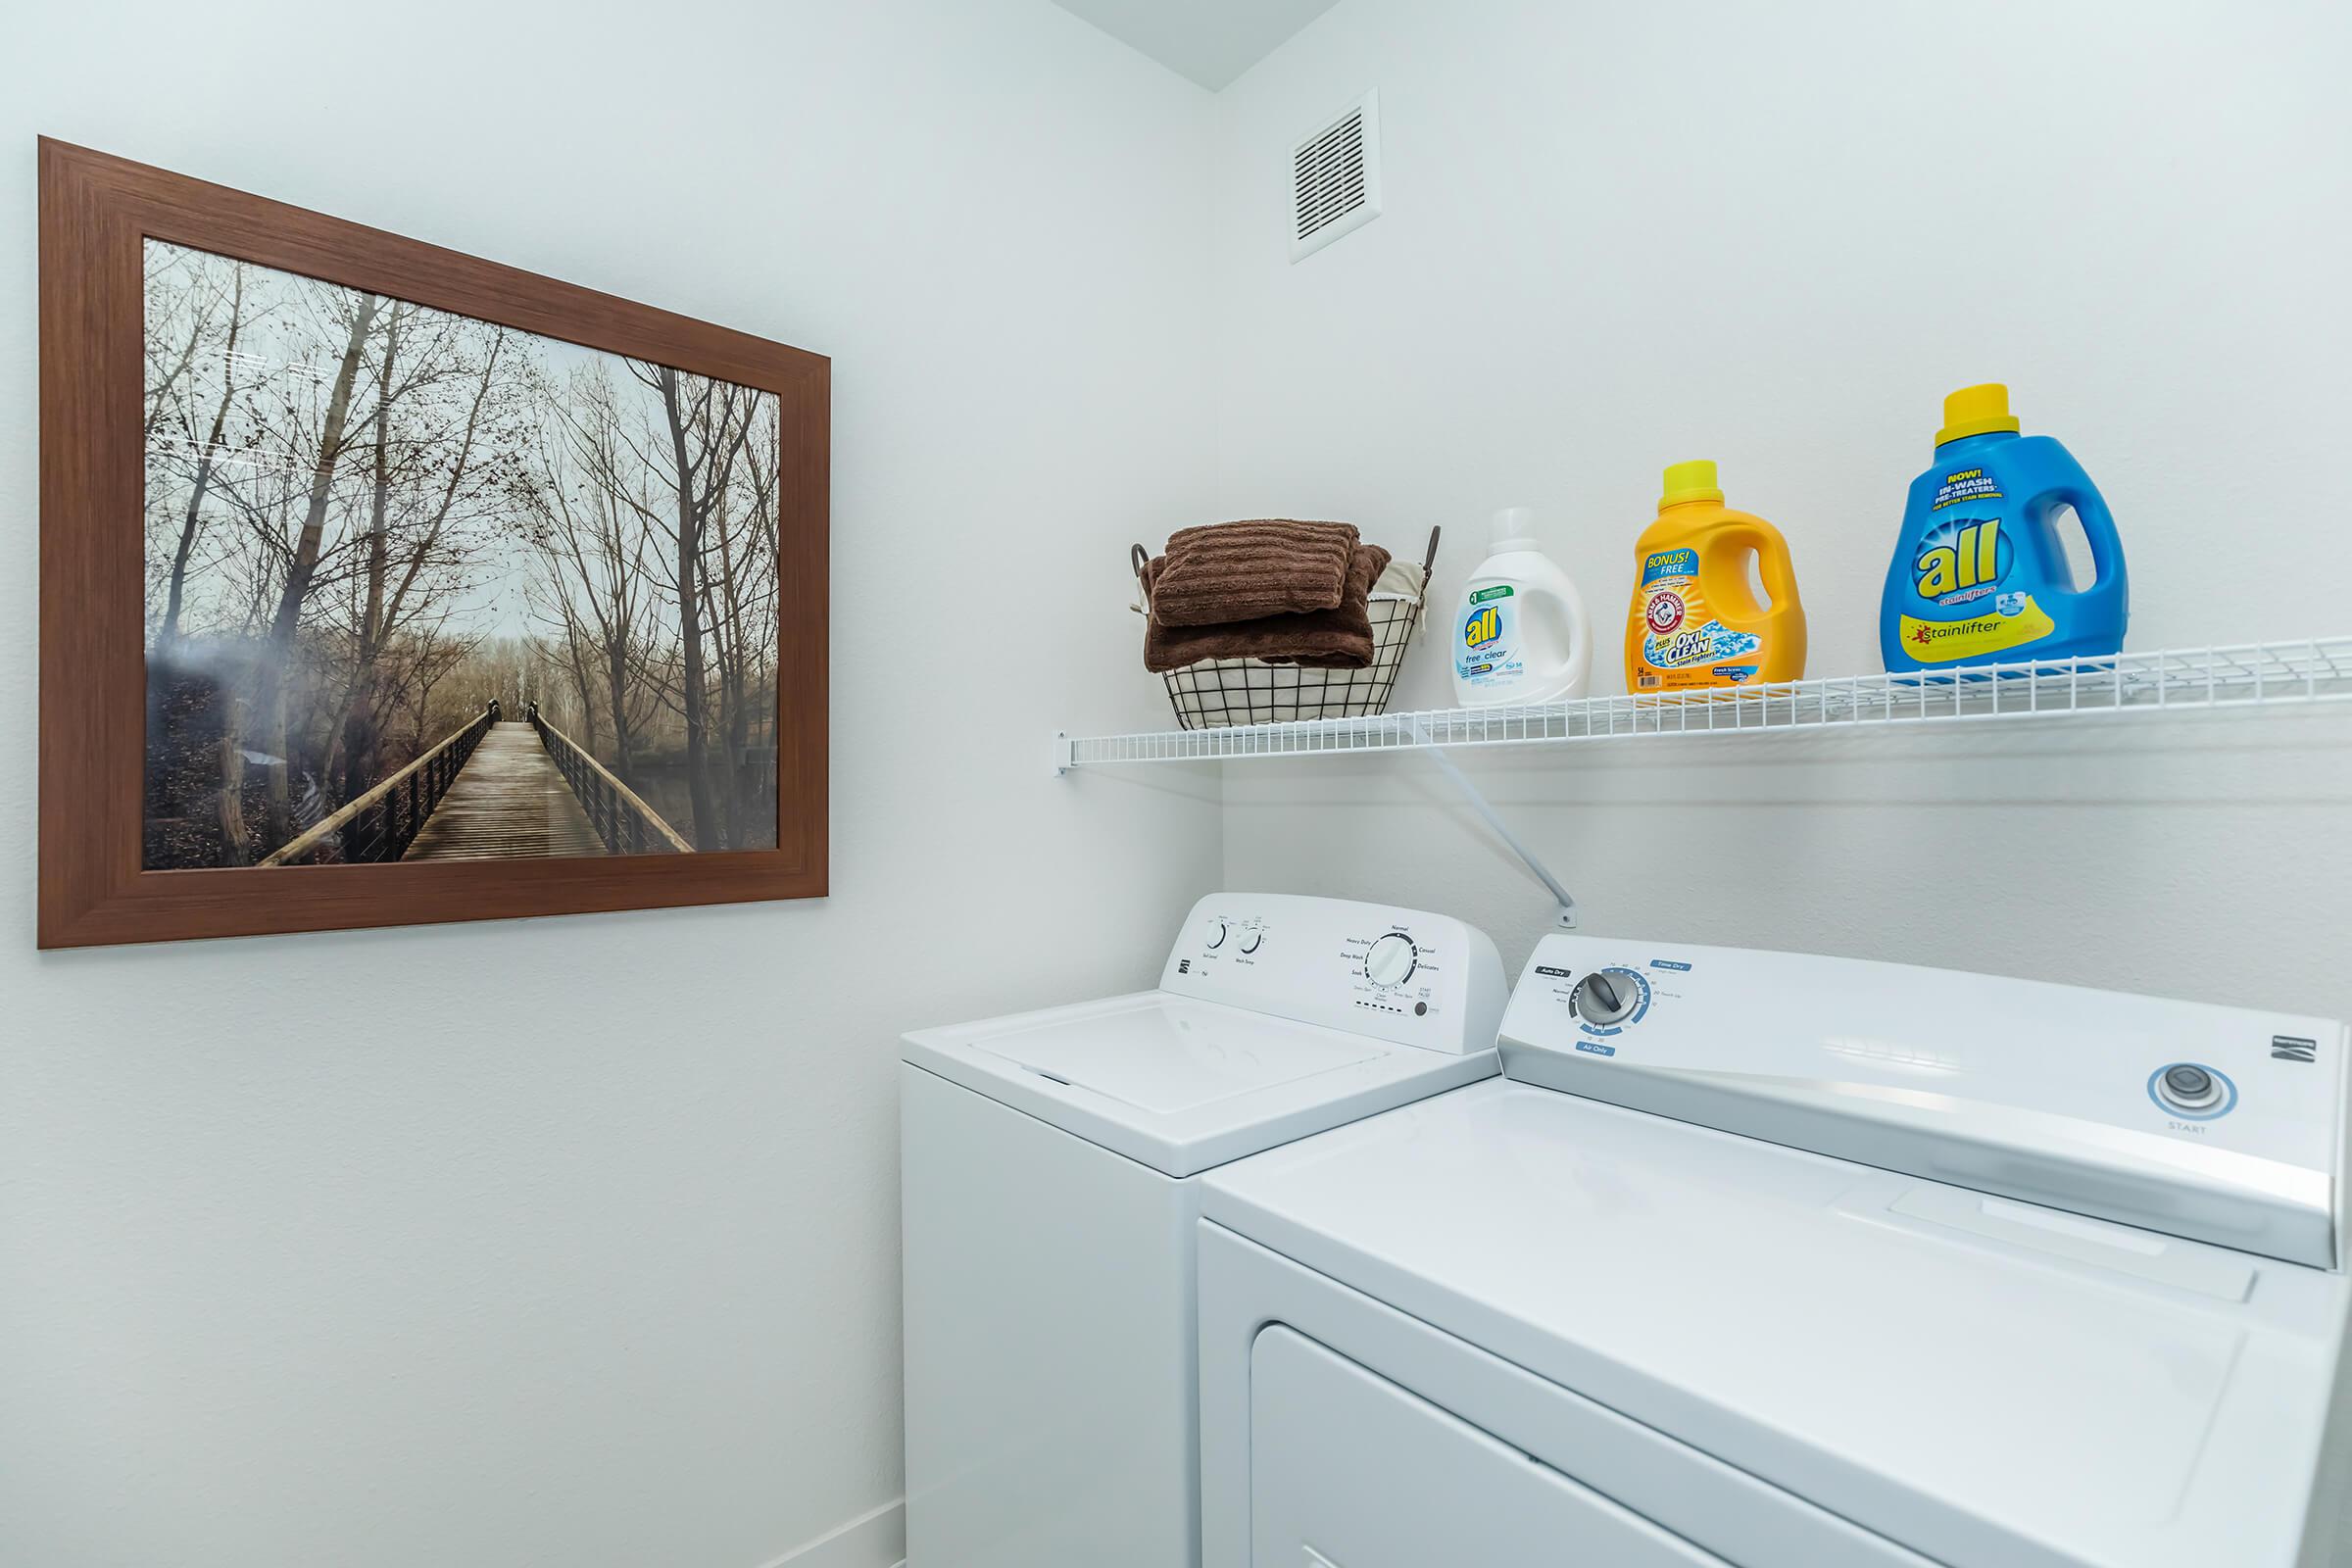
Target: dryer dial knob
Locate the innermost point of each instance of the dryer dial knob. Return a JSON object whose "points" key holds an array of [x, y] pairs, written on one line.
{"points": [[1607, 996]]}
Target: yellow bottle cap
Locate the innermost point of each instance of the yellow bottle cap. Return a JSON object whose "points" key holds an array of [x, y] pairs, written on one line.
{"points": [[1690, 482], [1975, 410]]}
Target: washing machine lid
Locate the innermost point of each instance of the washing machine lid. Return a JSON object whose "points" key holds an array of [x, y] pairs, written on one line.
{"points": [[1984, 1380], [1169, 1054], [1181, 1084]]}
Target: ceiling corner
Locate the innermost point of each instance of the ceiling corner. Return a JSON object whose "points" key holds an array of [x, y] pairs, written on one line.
{"points": [[1209, 41]]}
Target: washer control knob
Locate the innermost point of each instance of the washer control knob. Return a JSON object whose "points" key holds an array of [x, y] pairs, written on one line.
{"points": [[1215, 934], [1391, 960], [1607, 997], [2189, 1087], [1253, 940]]}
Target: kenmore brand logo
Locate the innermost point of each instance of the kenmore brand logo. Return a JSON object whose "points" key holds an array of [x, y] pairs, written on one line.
{"points": [[2292, 1047]]}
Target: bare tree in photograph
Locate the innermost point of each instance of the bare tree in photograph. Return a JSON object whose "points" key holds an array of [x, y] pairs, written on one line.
{"points": [[592, 502], [204, 452], [738, 594], [705, 424], [185, 295], [278, 649]]}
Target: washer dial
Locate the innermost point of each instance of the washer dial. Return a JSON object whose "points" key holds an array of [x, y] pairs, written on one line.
{"points": [[1214, 936], [1391, 961]]}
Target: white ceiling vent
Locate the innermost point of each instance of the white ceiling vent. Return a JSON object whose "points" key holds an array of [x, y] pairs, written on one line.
{"points": [[1335, 177]]}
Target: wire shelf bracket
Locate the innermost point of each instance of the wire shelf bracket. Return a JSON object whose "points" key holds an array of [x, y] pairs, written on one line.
{"points": [[1564, 911]]}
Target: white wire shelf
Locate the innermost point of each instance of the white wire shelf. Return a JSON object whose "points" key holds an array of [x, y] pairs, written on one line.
{"points": [[2259, 674]]}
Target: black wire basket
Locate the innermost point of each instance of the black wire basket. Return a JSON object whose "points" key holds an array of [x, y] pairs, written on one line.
{"points": [[1218, 692]]}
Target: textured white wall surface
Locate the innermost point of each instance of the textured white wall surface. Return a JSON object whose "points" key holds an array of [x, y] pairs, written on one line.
{"points": [[576, 1241], [1617, 236]]}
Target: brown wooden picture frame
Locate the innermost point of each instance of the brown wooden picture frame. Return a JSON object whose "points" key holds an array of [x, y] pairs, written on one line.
{"points": [[96, 213]]}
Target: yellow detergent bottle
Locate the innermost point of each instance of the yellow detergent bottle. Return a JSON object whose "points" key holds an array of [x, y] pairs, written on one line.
{"points": [[1696, 621]]}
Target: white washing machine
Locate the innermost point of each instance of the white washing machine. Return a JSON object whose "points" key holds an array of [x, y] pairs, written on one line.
{"points": [[1050, 1165], [1797, 1263]]}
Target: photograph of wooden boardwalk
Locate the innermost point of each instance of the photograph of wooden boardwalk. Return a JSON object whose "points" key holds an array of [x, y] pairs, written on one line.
{"points": [[421, 587], [509, 799]]}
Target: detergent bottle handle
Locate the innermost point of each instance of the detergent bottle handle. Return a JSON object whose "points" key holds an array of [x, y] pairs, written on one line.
{"points": [[1773, 564], [2098, 527]]}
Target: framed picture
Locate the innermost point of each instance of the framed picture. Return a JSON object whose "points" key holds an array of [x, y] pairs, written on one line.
{"points": [[381, 584]]}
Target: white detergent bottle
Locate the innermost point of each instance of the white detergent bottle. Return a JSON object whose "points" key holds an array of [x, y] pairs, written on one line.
{"points": [[1521, 635]]}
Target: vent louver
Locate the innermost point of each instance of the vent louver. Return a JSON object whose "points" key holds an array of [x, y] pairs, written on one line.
{"points": [[1335, 177]]}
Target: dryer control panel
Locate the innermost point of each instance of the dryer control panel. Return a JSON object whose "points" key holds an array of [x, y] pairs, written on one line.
{"points": [[2222, 1124], [1401, 975]]}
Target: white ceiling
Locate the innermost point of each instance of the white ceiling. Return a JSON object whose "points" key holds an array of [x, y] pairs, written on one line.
{"points": [[1211, 41]]}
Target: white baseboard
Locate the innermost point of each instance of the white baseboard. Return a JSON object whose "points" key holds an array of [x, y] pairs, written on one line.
{"points": [[876, 1539]]}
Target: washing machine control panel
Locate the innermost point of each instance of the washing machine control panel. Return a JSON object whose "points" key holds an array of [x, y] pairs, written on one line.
{"points": [[2226, 1124], [1401, 975]]}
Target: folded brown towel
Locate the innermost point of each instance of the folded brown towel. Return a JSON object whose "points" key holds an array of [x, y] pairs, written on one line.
{"points": [[1231, 571], [1339, 638]]}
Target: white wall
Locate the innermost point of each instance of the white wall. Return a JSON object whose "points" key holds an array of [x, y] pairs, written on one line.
{"points": [[303, 1260], [1620, 235]]}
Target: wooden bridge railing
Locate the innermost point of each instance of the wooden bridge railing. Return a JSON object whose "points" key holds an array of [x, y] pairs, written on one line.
{"points": [[626, 825], [380, 824]]}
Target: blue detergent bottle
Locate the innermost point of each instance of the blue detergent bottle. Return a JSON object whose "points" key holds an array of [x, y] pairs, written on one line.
{"points": [[1980, 575]]}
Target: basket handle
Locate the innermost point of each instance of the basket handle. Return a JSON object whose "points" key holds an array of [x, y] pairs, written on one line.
{"points": [[1429, 560], [1138, 557]]}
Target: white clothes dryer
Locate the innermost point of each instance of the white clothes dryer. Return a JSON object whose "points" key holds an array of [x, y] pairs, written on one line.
{"points": [[1051, 1166], [1784, 1261]]}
